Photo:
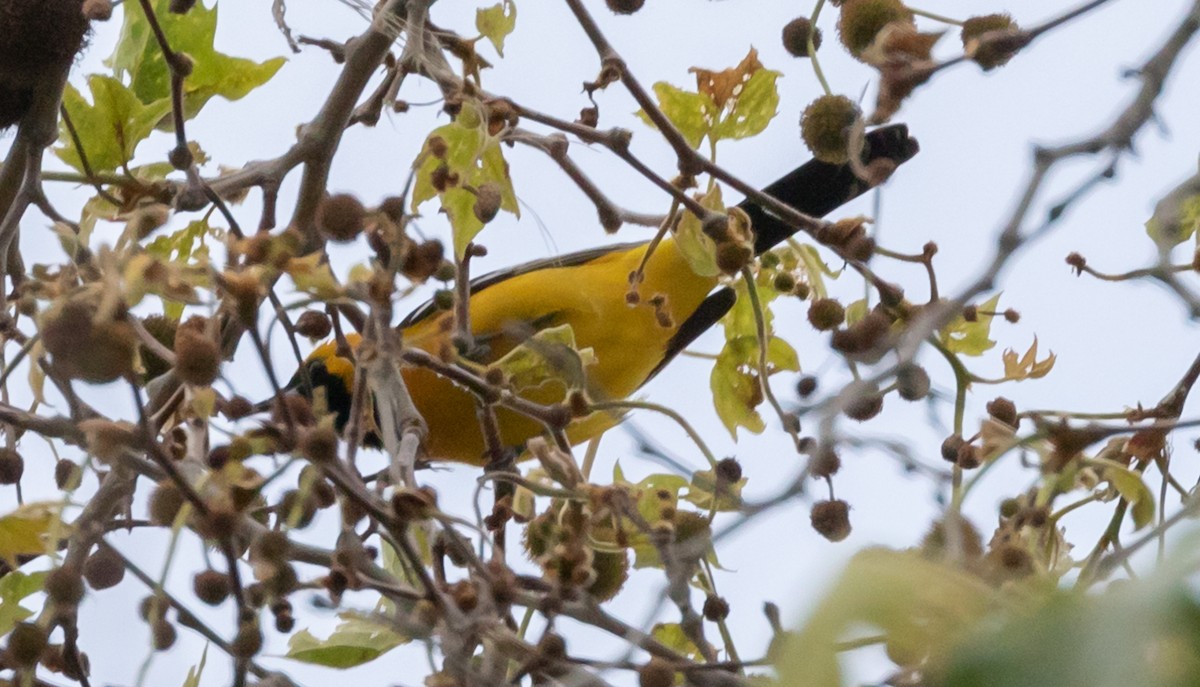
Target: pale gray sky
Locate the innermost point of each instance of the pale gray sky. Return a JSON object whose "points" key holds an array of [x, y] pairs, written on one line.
{"points": [[1117, 344]]}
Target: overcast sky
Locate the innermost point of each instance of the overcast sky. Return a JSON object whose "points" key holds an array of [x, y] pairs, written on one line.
{"points": [[1117, 344]]}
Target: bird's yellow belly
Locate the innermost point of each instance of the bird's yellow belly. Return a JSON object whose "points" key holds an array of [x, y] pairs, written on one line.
{"points": [[628, 343]]}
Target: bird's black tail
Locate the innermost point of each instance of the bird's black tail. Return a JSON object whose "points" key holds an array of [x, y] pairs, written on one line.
{"points": [[818, 188]]}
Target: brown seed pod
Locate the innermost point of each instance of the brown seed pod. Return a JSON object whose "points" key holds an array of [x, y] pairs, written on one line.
{"points": [[197, 355], [1003, 410], [319, 444], [826, 313], [12, 466], [211, 587], [67, 475], [487, 202], [314, 324], [825, 127], [865, 401], [831, 519], [716, 608], [26, 643], [64, 586], [795, 36], [969, 457], [861, 20], [163, 634], [165, 502], [732, 256], [988, 56], [625, 6], [825, 462], [103, 569], [657, 673], [341, 217], [728, 471], [88, 343], [912, 382], [950, 447]]}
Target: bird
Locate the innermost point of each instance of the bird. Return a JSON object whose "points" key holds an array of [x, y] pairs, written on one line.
{"points": [[588, 291]]}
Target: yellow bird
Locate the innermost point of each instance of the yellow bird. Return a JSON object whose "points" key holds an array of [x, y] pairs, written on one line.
{"points": [[587, 290]]}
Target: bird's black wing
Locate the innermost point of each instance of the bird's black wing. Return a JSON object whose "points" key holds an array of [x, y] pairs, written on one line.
{"points": [[815, 188]]}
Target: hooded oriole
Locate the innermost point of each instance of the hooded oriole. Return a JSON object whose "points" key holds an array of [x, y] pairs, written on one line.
{"points": [[587, 290]]}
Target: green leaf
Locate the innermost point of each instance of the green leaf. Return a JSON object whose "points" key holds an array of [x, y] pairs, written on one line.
{"points": [[781, 356], [697, 248], [194, 673], [110, 127], [702, 492], [1132, 488], [496, 22], [24, 530], [358, 639], [476, 159], [139, 56], [179, 246], [740, 321], [816, 269], [753, 108], [549, 356], [657, 495], [692, 114], [971, 338], [15, 586], [736, 394], [856, 311], [673, 636], [916, 602], [1144, 632], [1183, 226], [313, 276]]}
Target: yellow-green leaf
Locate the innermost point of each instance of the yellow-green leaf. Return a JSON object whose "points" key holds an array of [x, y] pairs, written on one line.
{"points": [[816, 269], [496, 22], [1144, 632], [139, 56], [702, 492], [697, 248], [110, 127], [1027, 366], [1184, 225], [23, 531], [753, 107], [358, 639], [15, 586], [314, 277], [971, 338], [550, 355], [736, 394], [1132, 488], [693, 114], [856, 311], [914, 601], [475, 159], [194, 673], [673, 636]]}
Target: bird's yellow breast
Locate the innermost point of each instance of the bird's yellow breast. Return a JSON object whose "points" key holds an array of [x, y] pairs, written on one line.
{"points": [[627, 341]]}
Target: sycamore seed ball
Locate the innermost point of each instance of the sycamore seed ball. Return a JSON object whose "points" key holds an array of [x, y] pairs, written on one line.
{"points": [[825, 127], [341, 217], [625, 6], [795, 36], [861, 20]]}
